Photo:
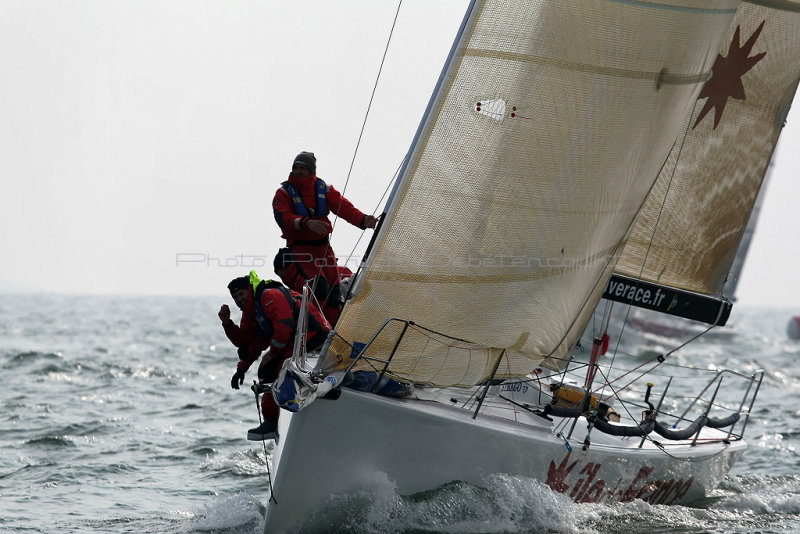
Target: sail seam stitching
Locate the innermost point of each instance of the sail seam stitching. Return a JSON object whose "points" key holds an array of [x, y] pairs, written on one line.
{"points": [[672, 79]]}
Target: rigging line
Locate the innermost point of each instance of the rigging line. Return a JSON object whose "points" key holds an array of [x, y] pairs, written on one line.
{"points": [[658, 219], [666, 193], [440, 334], [690, 340], [316, 301], [508, 372], [380, 202], [635, 369], [272, 498], [619, 249], [369, 105], [624, 406], [413, 370], [360, 135], [648, 437], [657, 359], [623, 403], [634, 381]]}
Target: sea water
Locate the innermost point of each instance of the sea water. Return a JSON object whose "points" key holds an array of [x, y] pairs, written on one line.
{"points": [[118, 416]]}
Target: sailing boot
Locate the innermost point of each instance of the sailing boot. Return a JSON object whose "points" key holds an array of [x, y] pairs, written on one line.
{"points": [[266, 430]]}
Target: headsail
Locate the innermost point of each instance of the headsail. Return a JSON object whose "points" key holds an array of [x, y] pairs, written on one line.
{"points": [[528, 170], [690, 228]]}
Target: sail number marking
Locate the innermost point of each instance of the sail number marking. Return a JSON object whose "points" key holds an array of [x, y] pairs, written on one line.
{"points": [[517, 387]]}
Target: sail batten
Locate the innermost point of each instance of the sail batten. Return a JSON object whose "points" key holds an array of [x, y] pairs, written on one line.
{"points": [[660, 76], [546, 134]]}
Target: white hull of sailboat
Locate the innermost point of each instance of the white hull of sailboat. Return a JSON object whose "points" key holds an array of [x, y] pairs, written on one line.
{"points": [[335, 447]]}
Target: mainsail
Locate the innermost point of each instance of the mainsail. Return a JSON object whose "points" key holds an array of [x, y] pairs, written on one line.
{"points": [[549, 127], [690, 229], [747, 237]]}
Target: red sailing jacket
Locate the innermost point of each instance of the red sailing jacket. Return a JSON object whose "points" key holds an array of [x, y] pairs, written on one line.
{"points": [[245, 335], [278, 311], [293, 225], [294, 276]]}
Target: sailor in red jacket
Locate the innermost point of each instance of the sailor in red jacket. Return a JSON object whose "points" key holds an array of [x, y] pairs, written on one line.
{"points": [[289, 267], [301, 207], [269, 320]]}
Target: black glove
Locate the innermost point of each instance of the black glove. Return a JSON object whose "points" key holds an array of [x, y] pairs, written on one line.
{"points": [[237, 379]]}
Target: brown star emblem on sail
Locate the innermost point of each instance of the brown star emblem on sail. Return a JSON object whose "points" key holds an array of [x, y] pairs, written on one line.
{"points": [[726, 76]]}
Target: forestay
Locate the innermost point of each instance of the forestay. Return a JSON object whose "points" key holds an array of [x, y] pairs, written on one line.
{"points": [[550, 124]]}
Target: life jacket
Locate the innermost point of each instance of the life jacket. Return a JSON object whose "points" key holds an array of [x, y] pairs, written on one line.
{"points": [[265, 328], [320, 191]]}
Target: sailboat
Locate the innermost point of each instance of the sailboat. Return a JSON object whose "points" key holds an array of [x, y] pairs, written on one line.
{"points": [[793, 328], [543, 148]]}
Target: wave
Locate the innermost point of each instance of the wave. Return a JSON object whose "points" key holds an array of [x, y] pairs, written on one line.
{"points": [[239, 513], [504, 504]]}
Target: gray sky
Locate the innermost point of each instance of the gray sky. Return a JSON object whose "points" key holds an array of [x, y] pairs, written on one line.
{"points": [[141, 142]]}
